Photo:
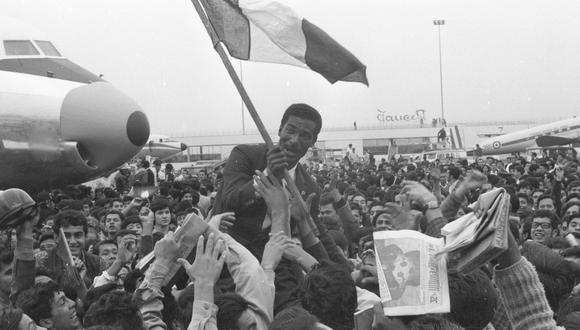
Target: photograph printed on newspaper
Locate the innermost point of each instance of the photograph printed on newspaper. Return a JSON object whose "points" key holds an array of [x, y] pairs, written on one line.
{"points": [[412, 278]]}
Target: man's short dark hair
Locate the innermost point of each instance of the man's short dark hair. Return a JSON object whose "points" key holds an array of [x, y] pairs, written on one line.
{"points": [[114, 309], [326, 198], [303, 111], [101, 243], [473, 299], [294, 317], [524, 196], [230, 307], [159, 204], [554, 219], [525, 184], [572, 184], [119, 213], [116, 199], [544, 196], [454, 172], [130, 220], [69, 218], [36, 301], [45, 237], [330, 294]]}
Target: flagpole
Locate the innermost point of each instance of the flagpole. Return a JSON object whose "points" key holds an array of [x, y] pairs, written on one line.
{"points": [[250, 106], [243, 110]]}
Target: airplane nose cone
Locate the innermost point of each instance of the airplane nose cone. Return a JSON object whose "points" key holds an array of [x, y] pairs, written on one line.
{"points": [[108, 126], [183, 147]]}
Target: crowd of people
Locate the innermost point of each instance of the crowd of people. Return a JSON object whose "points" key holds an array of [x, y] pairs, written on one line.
{"points": [[263, 258]]}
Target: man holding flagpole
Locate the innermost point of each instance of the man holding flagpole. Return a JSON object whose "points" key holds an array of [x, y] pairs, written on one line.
{"points": [[70, 252], [270, 31], [298, 131]]}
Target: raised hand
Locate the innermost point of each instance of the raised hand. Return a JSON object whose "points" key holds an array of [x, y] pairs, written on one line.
{"points": [[274, 250], [475, 179], [277, 161], [271, 190], [167, 249], [126, 251], [223, 221], [208, 263], [418, 192]]}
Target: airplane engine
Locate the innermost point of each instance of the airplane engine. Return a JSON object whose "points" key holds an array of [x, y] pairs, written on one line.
{"points": [[57, 131]]}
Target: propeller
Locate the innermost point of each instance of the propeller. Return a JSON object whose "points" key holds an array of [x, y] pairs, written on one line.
{"points": [[548, 141]]}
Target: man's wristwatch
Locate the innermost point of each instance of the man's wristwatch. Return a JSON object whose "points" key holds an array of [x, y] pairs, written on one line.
{"points": [[430, 206]]}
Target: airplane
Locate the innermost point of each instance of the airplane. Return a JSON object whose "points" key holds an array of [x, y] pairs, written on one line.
{"points": [[161, 147], [561, 132], [59, 123]]}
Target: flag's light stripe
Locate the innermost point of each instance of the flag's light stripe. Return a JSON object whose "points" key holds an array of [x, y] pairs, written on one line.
{"points": [[279, 23], [264, 50]]}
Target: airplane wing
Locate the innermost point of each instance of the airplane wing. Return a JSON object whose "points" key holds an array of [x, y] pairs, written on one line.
{"points": [[548, 141]]}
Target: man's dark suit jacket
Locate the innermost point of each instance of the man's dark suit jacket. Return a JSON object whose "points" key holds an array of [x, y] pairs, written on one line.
{"points": [[237, 194]]}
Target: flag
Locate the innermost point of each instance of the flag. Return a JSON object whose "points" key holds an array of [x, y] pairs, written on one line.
{"points": [[269, 31]]}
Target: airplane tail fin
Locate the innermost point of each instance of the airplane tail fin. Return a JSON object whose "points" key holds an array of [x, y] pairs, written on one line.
{"points": [[457, 138]]}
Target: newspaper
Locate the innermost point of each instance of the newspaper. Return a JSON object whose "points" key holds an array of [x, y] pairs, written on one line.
{"points": [[412, 276]]}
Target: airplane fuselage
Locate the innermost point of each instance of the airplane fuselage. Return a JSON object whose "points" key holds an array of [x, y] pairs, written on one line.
{"points": [[521, 140]]}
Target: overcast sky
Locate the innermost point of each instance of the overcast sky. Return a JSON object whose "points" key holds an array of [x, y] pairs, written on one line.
{"points": [[502, 60]]}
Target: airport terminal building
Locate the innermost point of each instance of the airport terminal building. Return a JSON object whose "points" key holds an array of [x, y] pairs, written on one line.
{"points": [[379, 140]]}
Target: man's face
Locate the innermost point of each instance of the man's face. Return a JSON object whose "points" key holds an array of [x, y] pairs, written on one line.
{"points": [[5, 279], [356, 216], [47, 245], [117, 206], [575, 190], [360, 200], [86, 209], [75, 237], [525, 190], [327, 211], [108, 252], [546, 204], [136, 227], [187, 197], [574, 225], [385, 222], [573, 210], [523, 202], [113, 223], [374, 210], [542, 229], [181, 219], [296, 136], [163, 217], [535, 196], [63, 312]]}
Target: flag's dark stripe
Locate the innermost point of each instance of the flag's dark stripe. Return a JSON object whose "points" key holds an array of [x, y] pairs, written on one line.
{"points": [[231, 26], [327, 57]]}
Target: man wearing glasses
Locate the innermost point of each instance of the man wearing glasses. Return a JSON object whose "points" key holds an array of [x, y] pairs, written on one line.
{"points": [[544, 225]]}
